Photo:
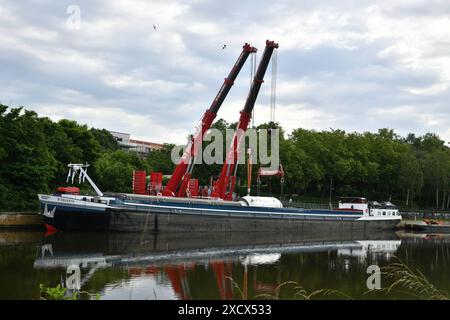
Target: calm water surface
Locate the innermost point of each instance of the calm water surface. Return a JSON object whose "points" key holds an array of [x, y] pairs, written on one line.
{"points": [[212, 266]]}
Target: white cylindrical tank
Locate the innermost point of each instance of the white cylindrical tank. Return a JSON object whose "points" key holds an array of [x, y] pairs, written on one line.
{"points": [[267, 202]]}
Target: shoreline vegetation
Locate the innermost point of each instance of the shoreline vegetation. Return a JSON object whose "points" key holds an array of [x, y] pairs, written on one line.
{"points": [[412, 171]]}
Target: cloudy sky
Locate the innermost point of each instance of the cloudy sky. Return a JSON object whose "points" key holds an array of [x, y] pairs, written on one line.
{"points": [[354, 65]]}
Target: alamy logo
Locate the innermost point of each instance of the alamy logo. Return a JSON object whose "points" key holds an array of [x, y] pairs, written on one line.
{"points": [[73, 277], [264, 151], [74, 20], [374, 280]]}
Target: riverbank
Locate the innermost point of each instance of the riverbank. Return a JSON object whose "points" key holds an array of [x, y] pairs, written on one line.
{"points": [[426, 226], [21, 220]]}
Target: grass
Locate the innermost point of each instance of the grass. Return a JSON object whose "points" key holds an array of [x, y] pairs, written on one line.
{"points": [[411, 282], [402, 280], [60, 293], [300, 292]]}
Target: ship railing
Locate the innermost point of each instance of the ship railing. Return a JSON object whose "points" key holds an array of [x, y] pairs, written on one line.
{"points": [[305, 205]]}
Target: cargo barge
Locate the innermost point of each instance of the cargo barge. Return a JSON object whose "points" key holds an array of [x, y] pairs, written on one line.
{"points": [[68, 210]]}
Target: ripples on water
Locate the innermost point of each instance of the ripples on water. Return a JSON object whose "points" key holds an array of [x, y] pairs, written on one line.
{"points": [[212, 266]]}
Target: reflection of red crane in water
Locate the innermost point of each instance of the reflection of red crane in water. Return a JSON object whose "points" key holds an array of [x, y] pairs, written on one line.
{"points": [[178, 278], [177, 275], [224, 277]]}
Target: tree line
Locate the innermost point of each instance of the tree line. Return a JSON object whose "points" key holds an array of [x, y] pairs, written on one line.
{"points": [[35, 151]]}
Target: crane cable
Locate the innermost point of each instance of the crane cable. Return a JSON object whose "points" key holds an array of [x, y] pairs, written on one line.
{"points": [[249, 171], [252, 75], [273, 102], [273, 93]]}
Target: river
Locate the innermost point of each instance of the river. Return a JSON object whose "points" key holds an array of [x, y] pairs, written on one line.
{"points": [[215, 266]]}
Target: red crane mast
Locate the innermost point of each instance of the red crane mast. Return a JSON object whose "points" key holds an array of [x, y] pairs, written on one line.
{"points": [[184, 167], [224, 186]]}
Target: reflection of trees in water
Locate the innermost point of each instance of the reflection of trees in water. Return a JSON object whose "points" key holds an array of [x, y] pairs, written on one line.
{"points": [[340, 269], [431, 256], [213, 279], [106, 277], [18, 278]]}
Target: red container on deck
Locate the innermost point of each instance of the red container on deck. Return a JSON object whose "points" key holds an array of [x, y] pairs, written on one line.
{"points": [[139, 181], [155, 185], [193, 187]]}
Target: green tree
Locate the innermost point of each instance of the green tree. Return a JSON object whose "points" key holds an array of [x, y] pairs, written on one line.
{"points": [[115, 170], [437, 172], [160, 160], [105, 139], [27, 163], [410, 176], [83, 138]]}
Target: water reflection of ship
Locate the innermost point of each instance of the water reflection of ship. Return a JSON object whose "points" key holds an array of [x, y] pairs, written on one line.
{"points": [[222, 269], [178, 262], [374, 249]]}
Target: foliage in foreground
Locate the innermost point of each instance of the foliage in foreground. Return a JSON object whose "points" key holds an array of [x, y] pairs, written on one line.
{"points": [[61, 293], [412, 282], [299, 292], [403, 280]]}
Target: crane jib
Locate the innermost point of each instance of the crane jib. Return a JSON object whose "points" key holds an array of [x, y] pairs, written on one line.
{"points": [[229, 81], [225, 184], [259, 77], [182, 167]]}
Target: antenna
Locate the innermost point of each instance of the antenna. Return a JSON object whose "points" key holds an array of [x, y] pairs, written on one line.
{"points": [[252, 75], [81, 170]]}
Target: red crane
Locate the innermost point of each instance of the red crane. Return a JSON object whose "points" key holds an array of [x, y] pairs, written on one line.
{"points": [[224, 186], [183, 170]]}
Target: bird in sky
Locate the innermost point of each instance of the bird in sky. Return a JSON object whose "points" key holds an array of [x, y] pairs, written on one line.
{"points": [[224, 46], [154, 27]]}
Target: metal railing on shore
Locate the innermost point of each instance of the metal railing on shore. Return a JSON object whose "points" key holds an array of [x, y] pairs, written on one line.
{"points": [[428, 214]]}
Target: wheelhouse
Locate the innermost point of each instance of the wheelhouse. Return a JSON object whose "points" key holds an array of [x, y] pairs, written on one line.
{"points": [[353, 203], [352, 200]]}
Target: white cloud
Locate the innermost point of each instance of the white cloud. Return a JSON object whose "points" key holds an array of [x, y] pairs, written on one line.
{"points": [[142, 126], [345, 64]]}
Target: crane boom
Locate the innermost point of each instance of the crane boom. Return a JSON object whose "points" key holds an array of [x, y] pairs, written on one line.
{"points": [[182, 172], [225, 184]]}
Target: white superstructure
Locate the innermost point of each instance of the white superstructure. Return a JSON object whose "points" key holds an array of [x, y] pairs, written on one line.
{"points": [[372, 210]]}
